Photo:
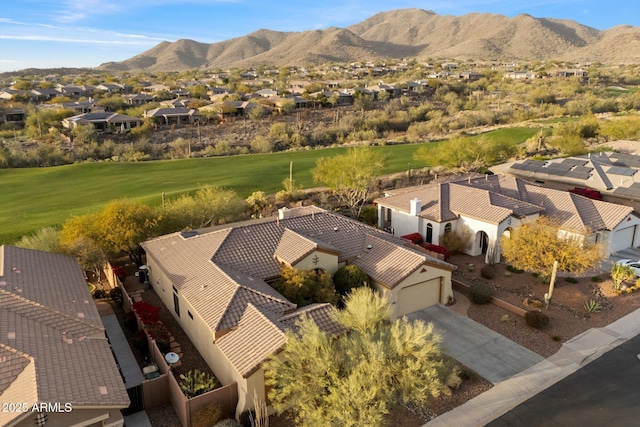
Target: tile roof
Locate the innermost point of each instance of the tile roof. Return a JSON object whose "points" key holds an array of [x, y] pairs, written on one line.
{"points": [[47, 314], [293, 247], [221, 271], [260, 334], [495, 198]]}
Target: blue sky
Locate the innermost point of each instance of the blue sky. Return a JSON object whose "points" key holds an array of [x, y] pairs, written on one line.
{"points": [[87, 33]]}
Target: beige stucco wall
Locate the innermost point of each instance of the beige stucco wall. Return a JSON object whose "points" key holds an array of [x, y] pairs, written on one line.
{"points": [[199, 333], [418, 276], [319, 259]]}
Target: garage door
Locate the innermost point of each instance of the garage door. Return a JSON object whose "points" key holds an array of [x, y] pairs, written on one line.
{"points": [[418, 296], [623, 238]]}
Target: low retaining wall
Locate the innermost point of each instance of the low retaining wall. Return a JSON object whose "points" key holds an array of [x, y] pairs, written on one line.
{"points": [[165, 388], [461, 286]]}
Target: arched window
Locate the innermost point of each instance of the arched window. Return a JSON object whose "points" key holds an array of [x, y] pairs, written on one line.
{"points": [[429, 238], [447, 228]]}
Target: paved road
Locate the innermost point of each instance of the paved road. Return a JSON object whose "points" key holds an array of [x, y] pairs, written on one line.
{"points": [[604, 393], [489, 354]]}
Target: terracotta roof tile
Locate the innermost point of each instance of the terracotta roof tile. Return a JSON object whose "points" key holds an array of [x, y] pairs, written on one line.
{"points": [[261, 333], [39, 319]]}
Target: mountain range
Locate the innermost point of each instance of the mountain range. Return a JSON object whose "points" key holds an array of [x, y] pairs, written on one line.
{"points": [[402, 33]]}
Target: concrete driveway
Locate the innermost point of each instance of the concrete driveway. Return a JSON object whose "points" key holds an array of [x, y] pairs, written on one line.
{"points": [[486, 352]]}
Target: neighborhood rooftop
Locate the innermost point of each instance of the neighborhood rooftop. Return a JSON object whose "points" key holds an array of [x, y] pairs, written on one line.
{"points": [[51, 335]]}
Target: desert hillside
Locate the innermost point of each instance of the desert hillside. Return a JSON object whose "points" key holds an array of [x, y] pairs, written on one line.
{"points": [[401, 33]]}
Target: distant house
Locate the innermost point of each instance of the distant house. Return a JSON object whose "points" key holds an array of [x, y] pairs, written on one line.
{"points": [[12, 116], [216, 283], [103, 121], [520, 75], [39, 94], [471, 76], [53, 347], [138, 99], [487, 207], [571, 72], [174, 116], [266, 93]]}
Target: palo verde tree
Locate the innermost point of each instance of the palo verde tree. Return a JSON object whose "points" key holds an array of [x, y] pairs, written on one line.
{"points": [[351, 176], [209, 206], [355, 378], [534, 246], [119, 228], [304, 287], [466, 153]]}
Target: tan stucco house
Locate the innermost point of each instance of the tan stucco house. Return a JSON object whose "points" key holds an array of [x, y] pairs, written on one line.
{"points": [[216, 283], [55, 360]]}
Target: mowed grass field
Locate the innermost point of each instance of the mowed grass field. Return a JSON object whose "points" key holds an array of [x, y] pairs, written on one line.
{"points": [[34, 198]]}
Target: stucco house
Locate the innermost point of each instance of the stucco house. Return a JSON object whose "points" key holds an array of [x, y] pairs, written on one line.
{"points": [[53, 348], [484, 207], [616, 176], [174, 116], [216, 283], [103, 121]]}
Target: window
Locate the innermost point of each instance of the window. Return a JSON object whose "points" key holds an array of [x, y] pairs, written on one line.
{"points": [[447, 228], [429, 238], [176, 304]]}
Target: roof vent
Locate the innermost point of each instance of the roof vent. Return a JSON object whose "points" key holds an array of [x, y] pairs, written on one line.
{"points": [[335, 228], [369, 246]]}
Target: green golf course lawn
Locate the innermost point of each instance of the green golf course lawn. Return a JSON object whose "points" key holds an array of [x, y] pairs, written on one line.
{"points": [[33, 198]]}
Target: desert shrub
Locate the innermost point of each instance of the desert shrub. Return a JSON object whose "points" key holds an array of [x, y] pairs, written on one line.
{"points": [[468, 374], [437, 249], [456, 241], [513, 269], [480, 293], [415, 238], [98, 294], [207, 416], [369, 215], [195, 383], [228, 423], [488, 272], [116, 295], [592, 306], [349, 277], [246, 417], [536, 319], [556, 337], [597, 279], [571, 280]]}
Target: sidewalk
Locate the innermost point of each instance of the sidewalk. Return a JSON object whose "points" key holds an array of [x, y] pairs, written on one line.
{"points": [[574, 354]]}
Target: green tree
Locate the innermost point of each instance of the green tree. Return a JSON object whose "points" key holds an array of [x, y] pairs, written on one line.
{"points": [[465, 153], [259, 203], [362, 102], [46, 239], [349, 277], [356, 378], [207, 207], [351, 176], [89, 255], [119, 228], [84, 134], [620, 274], [304, 287], [534, 246]]}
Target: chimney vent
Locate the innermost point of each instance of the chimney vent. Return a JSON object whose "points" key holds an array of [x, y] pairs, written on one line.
{"points": [[415, 206]]}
